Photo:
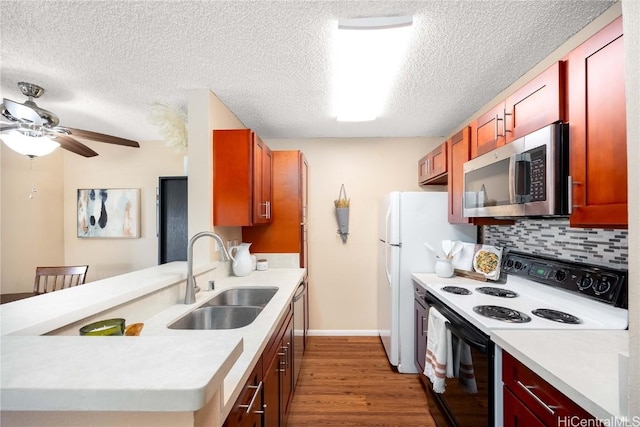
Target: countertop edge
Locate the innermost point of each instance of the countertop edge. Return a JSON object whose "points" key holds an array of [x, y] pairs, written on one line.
{"points": [[527, 357]]}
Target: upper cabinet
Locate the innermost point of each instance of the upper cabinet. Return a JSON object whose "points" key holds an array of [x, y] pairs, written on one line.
{"points": [[241, 178], [459, 151], [597, 120], [536, 104], [432, 168], [287, 233]]}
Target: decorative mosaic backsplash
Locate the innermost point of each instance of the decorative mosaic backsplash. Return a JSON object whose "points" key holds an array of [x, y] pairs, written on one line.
{"points": [[554, 237]]}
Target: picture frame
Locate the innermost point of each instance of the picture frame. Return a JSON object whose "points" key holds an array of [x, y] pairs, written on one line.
{"points": [[108, 213]]}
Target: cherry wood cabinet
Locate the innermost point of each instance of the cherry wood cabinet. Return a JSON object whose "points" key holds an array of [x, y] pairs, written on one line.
{"points": [[249, 409], [597, 123], [287, 232], [432, 168], [531, 401], [487, 131], [241, 178], [516, 414], [539, 102], [278, 374], [420, 317], [266, 396], [459, 153]]}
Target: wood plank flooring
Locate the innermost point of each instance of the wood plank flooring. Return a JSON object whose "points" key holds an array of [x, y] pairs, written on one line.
{"points": [[348, 381]]}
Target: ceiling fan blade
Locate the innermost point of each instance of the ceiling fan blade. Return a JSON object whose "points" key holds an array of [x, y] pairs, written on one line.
{"points": [[72, 145], [101, 137], [21, 112]]}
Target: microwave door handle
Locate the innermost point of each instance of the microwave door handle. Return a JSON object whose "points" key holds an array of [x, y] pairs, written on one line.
{"points": [[512, 179], [523, 177]]}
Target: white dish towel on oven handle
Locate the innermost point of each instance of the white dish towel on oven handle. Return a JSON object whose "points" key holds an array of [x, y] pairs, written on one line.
{"points": [[439, 358], [463, 367]]}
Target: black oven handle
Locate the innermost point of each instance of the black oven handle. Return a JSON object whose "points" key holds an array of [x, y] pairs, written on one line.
{"points": [[481, 347]]}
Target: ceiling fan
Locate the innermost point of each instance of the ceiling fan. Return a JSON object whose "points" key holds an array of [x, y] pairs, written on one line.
{"points": [[34, 131]]}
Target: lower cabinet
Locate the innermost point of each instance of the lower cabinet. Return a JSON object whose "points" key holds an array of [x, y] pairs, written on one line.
{"points": [[249, 409], [267, 394], [420, 320], [531, 401], [278, 385]]}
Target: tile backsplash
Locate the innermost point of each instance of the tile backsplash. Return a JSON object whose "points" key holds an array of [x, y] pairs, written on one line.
{"points": [[554, 237]]}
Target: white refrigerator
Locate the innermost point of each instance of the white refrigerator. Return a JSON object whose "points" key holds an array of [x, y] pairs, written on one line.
{"points": [[406, 221]]}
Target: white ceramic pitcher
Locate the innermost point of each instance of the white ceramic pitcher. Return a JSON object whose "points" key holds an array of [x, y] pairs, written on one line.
{"points": [[241, 265]]}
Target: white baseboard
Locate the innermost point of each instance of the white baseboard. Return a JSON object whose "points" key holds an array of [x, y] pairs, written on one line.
{"points": [[342, 332]]}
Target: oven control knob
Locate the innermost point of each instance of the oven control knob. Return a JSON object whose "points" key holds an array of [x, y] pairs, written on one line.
{"points": [[584, 282], [509, 263], [560, 275], [603, 286], [518, 265]]}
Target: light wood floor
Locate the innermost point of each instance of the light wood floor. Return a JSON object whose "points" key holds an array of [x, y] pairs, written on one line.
{"points": [[347, 381]]}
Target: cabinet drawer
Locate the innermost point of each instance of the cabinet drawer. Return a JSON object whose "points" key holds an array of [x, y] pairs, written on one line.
{"points": [[516, 414], [545, 401]]}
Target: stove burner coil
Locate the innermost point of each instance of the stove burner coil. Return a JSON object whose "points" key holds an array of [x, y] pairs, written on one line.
{"points": [[556, 316], [457, 290], [497, 292], [501, 313]]}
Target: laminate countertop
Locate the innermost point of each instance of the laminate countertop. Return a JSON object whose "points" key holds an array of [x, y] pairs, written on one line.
{"points": [[162, 370], [583, 365]]}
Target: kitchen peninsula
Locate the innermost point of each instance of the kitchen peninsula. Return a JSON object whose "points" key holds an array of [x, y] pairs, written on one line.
{"points": [[50, 375]]}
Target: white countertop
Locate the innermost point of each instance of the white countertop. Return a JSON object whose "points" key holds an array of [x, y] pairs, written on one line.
{"points": [[583, 365], [161, 370]]}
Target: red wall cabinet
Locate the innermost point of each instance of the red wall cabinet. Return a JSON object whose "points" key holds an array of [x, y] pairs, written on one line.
{"points": [[598, 132], [241, 179]]}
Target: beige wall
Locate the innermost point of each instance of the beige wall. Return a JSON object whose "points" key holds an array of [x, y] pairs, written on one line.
{"points": [[206, 113], [31, 230], [343, 276], [116, 167]]}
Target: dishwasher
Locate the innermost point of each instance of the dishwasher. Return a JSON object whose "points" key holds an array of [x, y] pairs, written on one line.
{"points": [[298, 329]]}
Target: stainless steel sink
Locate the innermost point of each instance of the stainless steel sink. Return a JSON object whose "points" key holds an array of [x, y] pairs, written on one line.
{"points": [[257, 297], [217, 317]]}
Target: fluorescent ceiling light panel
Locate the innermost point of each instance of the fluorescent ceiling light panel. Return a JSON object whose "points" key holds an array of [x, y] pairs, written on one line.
{"points": [[368, 53]]}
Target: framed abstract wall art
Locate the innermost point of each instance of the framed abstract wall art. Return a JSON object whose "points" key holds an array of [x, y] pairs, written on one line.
{"points": [[109, 213]]}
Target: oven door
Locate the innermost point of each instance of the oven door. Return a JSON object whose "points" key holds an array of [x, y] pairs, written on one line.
{"points": [[468, 397]]}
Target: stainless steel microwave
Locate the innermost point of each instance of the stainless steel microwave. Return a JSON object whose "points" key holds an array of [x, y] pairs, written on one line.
{"points": [[527, 177]]}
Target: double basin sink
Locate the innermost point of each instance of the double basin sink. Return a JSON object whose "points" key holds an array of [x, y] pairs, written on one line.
{"points": [[230, 309]]}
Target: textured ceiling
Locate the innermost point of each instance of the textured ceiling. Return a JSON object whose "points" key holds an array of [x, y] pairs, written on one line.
{"points": [[103, 63]]}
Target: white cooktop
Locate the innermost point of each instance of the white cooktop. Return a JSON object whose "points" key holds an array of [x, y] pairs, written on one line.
{"points": [[531, 296]]}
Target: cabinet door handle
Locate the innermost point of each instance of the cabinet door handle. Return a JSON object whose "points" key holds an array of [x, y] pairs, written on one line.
{"points": [[504, 122], [528, 388], [268, 210], [424, 323], [253, 398], [495, 127]]}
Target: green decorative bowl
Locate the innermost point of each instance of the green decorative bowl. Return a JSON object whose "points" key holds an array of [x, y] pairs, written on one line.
{"points": [[104, 328]]}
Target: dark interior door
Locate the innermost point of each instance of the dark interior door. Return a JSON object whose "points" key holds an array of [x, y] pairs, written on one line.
{"points": [[172, 219]]}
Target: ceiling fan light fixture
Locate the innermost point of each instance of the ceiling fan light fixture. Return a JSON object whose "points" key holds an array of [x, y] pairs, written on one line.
{"points": [[368, 53], [31, 146]]}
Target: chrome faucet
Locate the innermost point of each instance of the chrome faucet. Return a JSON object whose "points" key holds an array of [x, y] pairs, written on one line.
{"points": [[192, 288]]}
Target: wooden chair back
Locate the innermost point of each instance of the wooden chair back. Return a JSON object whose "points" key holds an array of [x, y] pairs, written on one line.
{"points": [[49, 279]]}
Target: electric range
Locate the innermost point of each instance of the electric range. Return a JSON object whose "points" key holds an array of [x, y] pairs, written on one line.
{"points": [[575, 296]]}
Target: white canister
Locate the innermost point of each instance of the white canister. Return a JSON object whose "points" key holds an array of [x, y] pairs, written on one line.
{"points": [[444, 267], [262, 265]]}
